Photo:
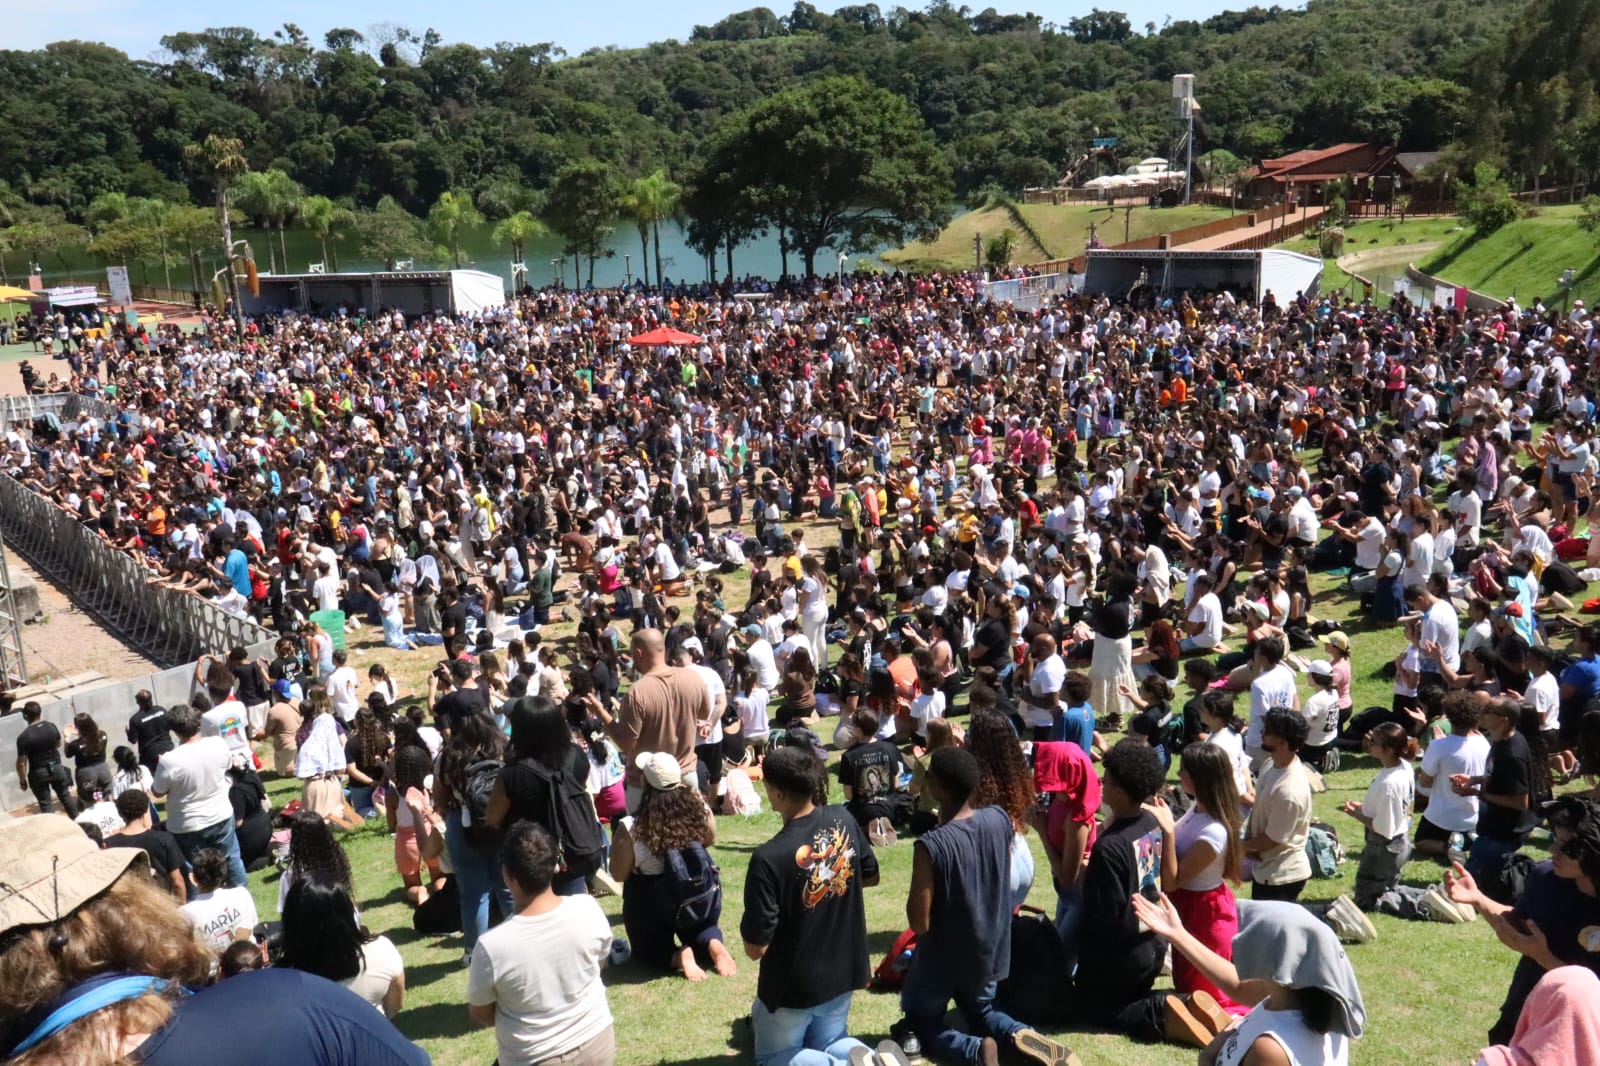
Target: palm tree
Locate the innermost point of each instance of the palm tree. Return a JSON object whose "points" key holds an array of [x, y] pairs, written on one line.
{"points": [[271, 195], [327, 221], [449, 218], [650, 201], [517, 231], [220, 160]]}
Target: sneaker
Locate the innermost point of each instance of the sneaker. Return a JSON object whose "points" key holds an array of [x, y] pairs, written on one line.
{"points": [[1043, 1050], [605, 884], [1436, 906], [1330, 761], [881, 832], [1347, 920], [890, 1053], [1180, 1025], [862, 1056]]}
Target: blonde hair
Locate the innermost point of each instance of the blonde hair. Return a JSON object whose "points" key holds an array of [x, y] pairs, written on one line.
{"points": [[133, 926]]}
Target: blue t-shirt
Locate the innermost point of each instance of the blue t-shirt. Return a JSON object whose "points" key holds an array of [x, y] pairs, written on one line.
{"points": [[1584, 676], [1077, 725], [312, 1022], [237, 568]]}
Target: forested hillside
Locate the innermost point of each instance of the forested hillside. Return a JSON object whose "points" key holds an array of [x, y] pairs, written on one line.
{"points": [[1007, 97]]}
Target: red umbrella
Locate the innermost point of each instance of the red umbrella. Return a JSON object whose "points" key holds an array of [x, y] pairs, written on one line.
{"points": [[665, 336]]}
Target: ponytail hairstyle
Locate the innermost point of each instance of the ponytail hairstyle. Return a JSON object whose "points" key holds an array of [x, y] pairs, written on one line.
{"points": [[1392, 738]]}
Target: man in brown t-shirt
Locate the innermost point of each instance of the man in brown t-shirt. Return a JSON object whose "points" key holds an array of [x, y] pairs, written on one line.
{"points": [[283, 722], [665, 710]]}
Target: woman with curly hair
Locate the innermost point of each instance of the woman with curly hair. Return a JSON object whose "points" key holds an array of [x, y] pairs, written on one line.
{"points": [[366, 750], [99, 968], [1005, 782], [315, 854], [672, 818]]}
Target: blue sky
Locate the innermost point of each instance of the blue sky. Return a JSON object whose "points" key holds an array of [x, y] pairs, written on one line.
{"points": [[137, 26]]}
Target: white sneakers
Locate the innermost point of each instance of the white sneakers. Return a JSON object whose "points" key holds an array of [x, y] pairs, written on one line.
{"points": [[1436, 905], [1353, 926]]}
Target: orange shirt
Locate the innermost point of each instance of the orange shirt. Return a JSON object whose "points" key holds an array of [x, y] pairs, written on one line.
{"points": [[155, 521]]}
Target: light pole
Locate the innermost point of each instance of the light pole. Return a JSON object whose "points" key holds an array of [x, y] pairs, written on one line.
{"points": [[627, 268], [558, 268]]}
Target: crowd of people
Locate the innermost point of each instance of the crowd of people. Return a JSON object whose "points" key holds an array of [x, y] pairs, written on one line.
{"points": [[1057, 585]]}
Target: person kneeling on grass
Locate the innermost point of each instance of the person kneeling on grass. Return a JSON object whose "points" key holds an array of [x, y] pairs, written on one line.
{"points": [[661, 857], [1554, 920], [805, 922], [960, 909], [1308, 1006]]}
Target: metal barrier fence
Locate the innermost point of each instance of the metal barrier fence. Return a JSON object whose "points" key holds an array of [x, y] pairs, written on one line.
{"points": [[1028, 294], [110, 705], [167, 625]]}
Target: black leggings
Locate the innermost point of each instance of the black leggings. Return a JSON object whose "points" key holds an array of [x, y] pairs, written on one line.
{"points": [[1289, 893]]}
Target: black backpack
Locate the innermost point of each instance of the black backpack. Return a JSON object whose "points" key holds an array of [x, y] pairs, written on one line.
{"points": [[1038, 990], [481, 776], [580, 846], [696, 886]]}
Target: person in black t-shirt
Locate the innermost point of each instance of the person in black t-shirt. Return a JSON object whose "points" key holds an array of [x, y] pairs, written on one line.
{"points": [[1118, 962], [870, 775], [805, 918], [167, 864], [39, 766], [148, 729], [464, 699], [1506, 791]]}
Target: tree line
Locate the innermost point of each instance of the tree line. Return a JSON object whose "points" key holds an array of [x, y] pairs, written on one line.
{"points": [[867, 123]]}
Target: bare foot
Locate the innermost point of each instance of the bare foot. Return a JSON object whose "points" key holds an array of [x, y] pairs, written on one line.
{"points": [[691, 968], [721, 961]]}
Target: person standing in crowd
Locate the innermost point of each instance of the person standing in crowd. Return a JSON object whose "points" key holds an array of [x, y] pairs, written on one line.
{"points": [[148, 729], [663, 711], [960, 908], [1280, 821], [473, 755], [535, 978], [805, 887], [39, 765], [193, 777], [1512, 782]]}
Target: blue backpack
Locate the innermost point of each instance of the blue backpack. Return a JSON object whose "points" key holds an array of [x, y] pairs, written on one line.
{"points": [[696, 886]]}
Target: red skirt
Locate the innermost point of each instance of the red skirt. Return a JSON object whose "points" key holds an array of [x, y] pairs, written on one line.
{"points": [[1212, 918]]}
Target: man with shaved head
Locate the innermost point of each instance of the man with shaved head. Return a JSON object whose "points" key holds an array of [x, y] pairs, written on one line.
{"points": [[665, 710]]}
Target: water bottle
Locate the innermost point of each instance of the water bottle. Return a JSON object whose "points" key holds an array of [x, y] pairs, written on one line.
{"points": [[1457, 849]]}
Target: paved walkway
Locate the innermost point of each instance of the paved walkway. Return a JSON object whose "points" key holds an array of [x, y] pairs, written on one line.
{"points": [[1227, 240]]}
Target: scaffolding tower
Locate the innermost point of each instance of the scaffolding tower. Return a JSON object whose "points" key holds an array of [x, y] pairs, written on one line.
{"points": [[13, 665]]}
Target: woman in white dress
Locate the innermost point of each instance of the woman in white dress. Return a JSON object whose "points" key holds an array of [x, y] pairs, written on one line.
{"points": [[1111, 668]]}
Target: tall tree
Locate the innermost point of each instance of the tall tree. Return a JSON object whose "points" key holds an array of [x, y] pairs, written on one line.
{"points": [[390, 233], [41, 230], [273, 196], [327, 222], [218, 161], [837, 161], [451, 216], [517, 231], [648, 202], [581, 206]]}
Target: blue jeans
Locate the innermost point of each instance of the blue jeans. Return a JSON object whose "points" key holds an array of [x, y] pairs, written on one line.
{"points": [[814, 1036], [924, 1000], [1069, 921], [477, 878], [222, 837], [1485, 854]]}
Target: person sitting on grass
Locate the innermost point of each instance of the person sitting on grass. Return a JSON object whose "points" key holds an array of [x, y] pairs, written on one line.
{"points": [[1307, 1003], [1385, 817], [671, 817], [960, 909], [1553, 922]]}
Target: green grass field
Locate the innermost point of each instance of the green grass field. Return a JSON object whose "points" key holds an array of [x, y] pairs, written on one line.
{"points": [[1431, 990], [1524, 259], [1063, 230], [1387, 239]]}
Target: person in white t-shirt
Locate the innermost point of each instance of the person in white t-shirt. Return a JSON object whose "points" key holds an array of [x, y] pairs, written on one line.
{"points": [[1203, 626], [1274, 686], [194, 779], [1449, 816], [535, 978], [1544, 692], [1385, 813], [342, 687], [219, 915], [1040, 703], [1322, 719]]}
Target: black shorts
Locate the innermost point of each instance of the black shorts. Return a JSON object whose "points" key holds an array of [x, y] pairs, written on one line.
{"points": [[1426, 830]]}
